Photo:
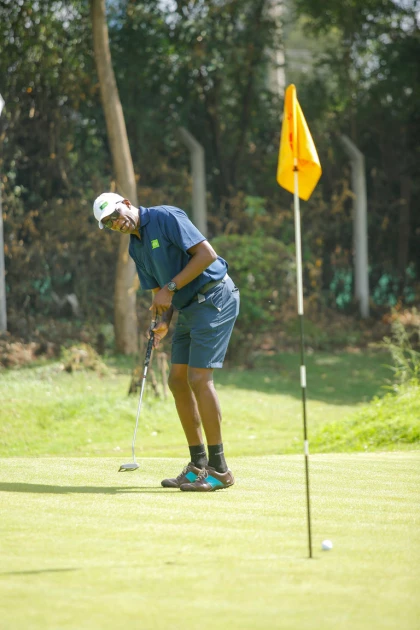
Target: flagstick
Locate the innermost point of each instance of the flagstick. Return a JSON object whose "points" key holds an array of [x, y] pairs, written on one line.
{"points": [[302, 352]]}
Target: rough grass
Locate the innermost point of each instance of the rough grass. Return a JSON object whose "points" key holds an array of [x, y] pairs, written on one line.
{"points": [[85, 547], [389, 422], [45, 411]]}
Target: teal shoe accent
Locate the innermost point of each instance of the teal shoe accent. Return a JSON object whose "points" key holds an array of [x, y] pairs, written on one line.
{"points": [[191, 476], [215, 483]]}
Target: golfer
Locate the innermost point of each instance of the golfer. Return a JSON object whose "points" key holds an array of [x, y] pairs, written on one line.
{"points": [[183, 271]]}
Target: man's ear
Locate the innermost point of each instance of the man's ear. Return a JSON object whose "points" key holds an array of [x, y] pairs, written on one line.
{"points": [[127, 203]]}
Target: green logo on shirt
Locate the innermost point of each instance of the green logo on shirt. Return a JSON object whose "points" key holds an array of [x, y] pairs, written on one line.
{"points": [[155, 243]]}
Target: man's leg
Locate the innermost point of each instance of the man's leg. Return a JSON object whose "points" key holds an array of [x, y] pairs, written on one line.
{"points": [[186, 404], [201, 382], [210, 325], [216, 475]]}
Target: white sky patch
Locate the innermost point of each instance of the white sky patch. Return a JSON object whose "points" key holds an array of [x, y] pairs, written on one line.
{"points": [[64, 13], [167, 6]]}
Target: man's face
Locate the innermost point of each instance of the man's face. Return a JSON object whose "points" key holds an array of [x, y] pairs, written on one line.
{"points": [[124, 219]]}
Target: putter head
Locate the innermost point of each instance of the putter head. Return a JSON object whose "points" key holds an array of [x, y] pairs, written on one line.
{"points": [[130, 466]]}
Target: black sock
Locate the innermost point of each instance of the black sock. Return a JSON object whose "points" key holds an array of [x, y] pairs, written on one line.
{"points": [[198, 456], [217, 458]]}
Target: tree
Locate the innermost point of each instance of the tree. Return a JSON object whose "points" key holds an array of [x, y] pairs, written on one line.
{"points": [[53, 158], [205, 65], [125, 323], [366, 84]]}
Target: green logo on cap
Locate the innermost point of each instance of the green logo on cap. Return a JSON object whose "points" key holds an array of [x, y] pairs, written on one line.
{"points": [[103, 205], [155, 243]]}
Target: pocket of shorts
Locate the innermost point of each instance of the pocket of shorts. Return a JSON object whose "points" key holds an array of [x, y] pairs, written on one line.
{"points": [[217, 300], [218, 308]]}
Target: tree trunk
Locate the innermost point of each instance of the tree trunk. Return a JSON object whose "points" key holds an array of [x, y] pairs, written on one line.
{"points": [[125, 323]]}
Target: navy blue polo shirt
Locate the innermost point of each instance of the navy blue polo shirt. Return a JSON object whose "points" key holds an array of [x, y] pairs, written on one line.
{"points": [[166, 235]]}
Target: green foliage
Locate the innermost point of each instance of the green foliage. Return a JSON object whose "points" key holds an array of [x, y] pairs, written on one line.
{"points": [[170, 72], [82, 357], [405, 356], [255, 206], [342, 287], [52, 159], [204, 65], [365, 83], [324, 334], [263, 268], [386, 423], [392, 420], [387, 288]]}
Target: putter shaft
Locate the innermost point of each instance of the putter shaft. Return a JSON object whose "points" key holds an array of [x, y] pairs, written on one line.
{"points": [[134, 465]]}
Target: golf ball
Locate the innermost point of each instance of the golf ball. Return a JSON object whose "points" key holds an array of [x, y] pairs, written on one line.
{"points": [[327, 545]]}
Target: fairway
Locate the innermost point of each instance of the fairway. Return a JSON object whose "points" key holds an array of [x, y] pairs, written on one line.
{"points": [[84, 547]]}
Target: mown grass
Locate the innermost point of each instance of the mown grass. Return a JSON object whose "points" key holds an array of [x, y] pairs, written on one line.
{"points": [[45, 411], [85, 547]]}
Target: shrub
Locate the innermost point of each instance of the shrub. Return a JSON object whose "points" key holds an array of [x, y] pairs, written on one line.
{"points": [[264, 270], [387, 422], [82, 357], [401, 345]]}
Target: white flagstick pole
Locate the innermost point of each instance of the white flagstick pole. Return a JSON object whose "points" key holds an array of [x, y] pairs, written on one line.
{"points": [[299, 272]]}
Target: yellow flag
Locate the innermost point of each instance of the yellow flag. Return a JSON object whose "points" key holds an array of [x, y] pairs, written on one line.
{"points": [[297, 146]]}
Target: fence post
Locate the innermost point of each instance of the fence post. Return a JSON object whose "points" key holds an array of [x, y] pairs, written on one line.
{"points": [[360, 231], [3, 312], [198, 174]]}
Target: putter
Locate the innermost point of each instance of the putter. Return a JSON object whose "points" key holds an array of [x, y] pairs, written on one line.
{"points": [[134, 465]]}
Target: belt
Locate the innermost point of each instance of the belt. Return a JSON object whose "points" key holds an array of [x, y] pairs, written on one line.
{"points": [[208, 286]]}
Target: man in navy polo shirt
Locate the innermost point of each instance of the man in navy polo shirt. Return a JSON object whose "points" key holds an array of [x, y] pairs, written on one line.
{"points": [[181, 268]]}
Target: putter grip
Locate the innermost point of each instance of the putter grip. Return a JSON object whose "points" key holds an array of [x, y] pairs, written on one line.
{"points": [[150, 344]]}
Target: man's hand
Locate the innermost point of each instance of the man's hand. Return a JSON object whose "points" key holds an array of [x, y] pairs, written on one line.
{"points": [[162, 298], [162, 301], [160, 331]]}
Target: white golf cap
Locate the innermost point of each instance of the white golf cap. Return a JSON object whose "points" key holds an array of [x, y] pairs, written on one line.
{"points": [[104, 205]]}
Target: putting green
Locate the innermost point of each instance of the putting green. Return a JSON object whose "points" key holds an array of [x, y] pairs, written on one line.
{"points": [[84, 547]]}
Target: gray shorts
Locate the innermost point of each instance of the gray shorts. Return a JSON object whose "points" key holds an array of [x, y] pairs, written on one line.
{"points": [[204, 327]]}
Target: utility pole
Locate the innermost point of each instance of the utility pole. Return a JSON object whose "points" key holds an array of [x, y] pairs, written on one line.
{"points": [[3, 312]]}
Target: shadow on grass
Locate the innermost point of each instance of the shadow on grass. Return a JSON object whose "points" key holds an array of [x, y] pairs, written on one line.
{"points": [[337, 379], [37, 572], [45, 489]]}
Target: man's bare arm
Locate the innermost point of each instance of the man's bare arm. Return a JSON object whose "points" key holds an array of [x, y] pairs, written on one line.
{"points": [[202, 256]]}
